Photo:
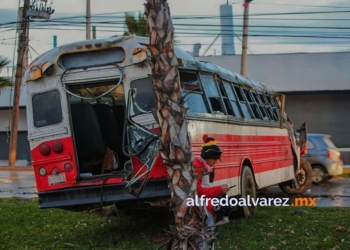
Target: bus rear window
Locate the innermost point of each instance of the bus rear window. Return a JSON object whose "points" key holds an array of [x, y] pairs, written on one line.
{"points": [[47, 108]]}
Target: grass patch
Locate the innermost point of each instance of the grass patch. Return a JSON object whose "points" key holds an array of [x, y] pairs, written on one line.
{"points": [[24, 226]]}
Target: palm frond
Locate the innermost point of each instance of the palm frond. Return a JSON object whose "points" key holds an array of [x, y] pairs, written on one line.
{"points": [[4, 81], [3, 62]]}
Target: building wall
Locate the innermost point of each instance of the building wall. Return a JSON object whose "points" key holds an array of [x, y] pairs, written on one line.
{"points": [[6, 96], [324, 113], [23, 150], [6, 117], [293, 72]]}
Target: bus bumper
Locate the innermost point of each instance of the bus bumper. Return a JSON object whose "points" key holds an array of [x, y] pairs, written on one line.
{"points": [[85, 198]]}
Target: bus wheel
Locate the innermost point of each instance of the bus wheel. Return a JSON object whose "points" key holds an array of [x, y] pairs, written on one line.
{"points": [[304, 177], [247, 188]]}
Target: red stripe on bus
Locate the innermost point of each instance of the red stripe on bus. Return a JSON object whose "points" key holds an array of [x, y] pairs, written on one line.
{"points": [[265, 153]]}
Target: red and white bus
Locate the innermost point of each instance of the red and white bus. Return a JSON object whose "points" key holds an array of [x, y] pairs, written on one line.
{"points": [[94, 139]]}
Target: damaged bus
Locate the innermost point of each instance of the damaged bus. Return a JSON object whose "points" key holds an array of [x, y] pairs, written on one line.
{"points": [[94, 140]]}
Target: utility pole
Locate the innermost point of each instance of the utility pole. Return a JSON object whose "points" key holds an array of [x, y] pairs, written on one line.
{"points": [[88, 20], [26, 13], [245, 38], [23, 28], [26, 52]]}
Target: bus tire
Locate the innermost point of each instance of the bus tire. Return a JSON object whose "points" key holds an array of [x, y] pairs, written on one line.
{"points": [[304, 177], [247, 188]]}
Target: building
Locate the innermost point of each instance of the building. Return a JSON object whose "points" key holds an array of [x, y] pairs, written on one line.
{"points": [[317, 87], [6, 100]]}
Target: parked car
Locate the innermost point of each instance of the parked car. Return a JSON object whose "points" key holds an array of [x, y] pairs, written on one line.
{"points": [[324, 157]]}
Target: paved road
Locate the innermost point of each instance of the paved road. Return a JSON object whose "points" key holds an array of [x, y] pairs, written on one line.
{"points": [[17, 183], [336, 192]]}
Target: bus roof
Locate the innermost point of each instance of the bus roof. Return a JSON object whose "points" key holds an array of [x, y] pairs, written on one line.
{"points": [[186, 60]]}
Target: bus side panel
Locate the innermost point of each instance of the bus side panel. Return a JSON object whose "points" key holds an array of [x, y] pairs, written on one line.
{"points": [[267, 148], [227, 169]]}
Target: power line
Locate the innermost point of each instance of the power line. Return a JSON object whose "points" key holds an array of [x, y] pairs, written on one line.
{"points": [[197, 25], [185, 17], [303, 5], [215, 25], [206, 33]]}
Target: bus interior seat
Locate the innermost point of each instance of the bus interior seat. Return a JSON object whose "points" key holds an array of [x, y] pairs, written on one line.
{"points": [[89, 142], [119, 115], [111, 130]]}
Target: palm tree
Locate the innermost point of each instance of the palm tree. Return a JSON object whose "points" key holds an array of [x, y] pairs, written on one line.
{"points": [[4, 81], [175, 142]]}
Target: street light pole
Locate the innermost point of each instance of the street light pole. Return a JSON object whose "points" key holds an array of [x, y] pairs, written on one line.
{"points": [[245, 38]]}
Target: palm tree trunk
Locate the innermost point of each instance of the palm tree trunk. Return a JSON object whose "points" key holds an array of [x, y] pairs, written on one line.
{"points": [[176, 149]]}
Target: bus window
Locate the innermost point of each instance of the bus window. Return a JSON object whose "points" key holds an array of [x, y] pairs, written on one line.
{"points": [[275, 106], [276, 102], [268, 108], [232, 98], [260, 104], [211, 90], [270, 101], [226, 100], [194, 102], [47, 108], [272, 108], [145, 98], [253, 104], [192, 92], [242, 102], [189, 81]]}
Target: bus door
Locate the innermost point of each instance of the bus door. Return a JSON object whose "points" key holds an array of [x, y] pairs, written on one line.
{"points": [[142, 147]]}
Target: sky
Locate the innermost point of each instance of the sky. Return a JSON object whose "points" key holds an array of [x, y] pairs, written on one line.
{"points": [[305, 35]]}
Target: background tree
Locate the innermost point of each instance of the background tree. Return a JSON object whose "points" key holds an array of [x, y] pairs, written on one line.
{"points": [[135, 25], [176, 150], [4, 81]]}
